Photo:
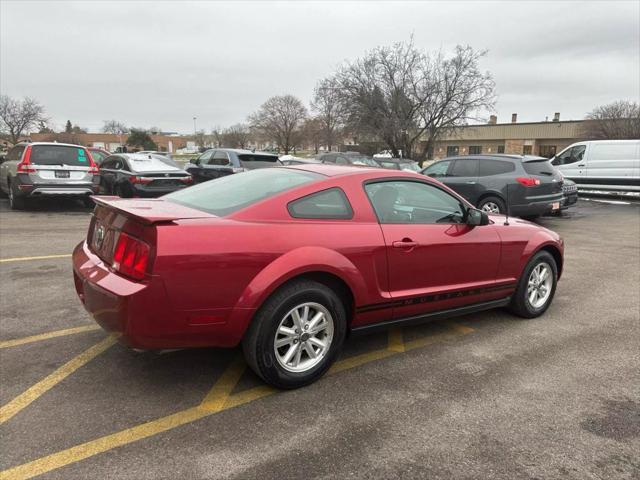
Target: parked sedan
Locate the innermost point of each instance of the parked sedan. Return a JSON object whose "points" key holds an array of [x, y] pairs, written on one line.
{"points": [[220, 162], [529, 185], [138, 175], [288, 260], [42, 169]]}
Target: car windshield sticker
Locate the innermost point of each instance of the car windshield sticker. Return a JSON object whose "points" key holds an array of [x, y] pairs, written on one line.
{"points": [[81, 157]]}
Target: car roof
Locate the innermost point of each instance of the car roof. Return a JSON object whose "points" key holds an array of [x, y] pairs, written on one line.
{"points": [[244, 151], [58, 144], [522, 158], [331, 170], [395, 160]]}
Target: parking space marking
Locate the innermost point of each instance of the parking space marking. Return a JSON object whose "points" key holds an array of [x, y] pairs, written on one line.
{"points": [[41, 257], [46, 336], [396, 342], [217, 400], [33, 393]]}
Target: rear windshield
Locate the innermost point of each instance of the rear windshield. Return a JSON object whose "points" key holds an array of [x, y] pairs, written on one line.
{"points": [[539, 167], [251, 161], [153, 164], [226, 195], [59, 155]]}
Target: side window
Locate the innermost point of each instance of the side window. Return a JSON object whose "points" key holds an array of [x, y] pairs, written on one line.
{"points": [[452, 150], [340, 160], [495, 167], [414, 203], [15, 153], [572, 155], [220, 158], [204, 158], [438, 169], [464, 168], [329, 204], [107, 164]]}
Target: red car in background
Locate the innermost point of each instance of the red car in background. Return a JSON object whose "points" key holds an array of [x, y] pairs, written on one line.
{"points": [[98, 154], [288, 260]]}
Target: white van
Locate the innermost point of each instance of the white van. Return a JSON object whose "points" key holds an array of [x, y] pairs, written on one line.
{"points": [[602, 164]]}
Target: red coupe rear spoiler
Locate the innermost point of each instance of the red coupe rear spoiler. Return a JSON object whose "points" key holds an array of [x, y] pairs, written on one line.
{"points": [[150, 211]]}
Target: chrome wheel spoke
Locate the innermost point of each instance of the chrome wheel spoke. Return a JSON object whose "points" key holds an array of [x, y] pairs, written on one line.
{"points": [[281, 342], [293, 349], [296, 361], [314, 321], [310, 351]]}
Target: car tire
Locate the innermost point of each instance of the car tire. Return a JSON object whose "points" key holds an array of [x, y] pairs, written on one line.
{"points": [[529, 300], [122, 191], [273, 362], [88, 203], [16, 202], [492, 205]]}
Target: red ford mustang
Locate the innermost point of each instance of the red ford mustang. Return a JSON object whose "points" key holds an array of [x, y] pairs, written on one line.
{"points": [[287, 261]]}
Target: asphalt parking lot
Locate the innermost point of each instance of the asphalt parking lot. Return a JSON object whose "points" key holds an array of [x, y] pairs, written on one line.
{"points": [[478, 397]]}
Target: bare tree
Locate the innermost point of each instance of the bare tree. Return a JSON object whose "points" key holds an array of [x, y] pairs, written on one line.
{"points": [[402, 95], [236, 136], [279, 119], [618, 120], [19, 116], [313, 133], [115, 127], [330, 111]]}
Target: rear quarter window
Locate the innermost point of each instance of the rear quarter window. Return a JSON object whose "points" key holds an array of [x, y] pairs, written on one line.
{"points": [[59, 155], [495, 167], [250, 161], [328, 204]]}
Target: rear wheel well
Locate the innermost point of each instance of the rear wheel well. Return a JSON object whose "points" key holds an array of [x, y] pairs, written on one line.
{"points": [[490, 194], [555, 253], [335, 283]]}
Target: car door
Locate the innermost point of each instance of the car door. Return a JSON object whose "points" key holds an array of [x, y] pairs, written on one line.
{"points": [[462, 177], [8, 167], [571, 162], [435, 260], [197, 168], [220, 165]]}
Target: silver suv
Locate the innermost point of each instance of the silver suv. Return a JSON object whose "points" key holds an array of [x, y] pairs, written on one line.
{"points": [[45, 169]]}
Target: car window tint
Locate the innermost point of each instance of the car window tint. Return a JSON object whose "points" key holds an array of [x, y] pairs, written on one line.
{"points": [[438, 169], [205, 157], [251, 160], [464, 168], [340, 160], [15, 153], [329, 204], [59, 155], [414, 202], [229, 194], [98, 156], [571, 155], [495, 167], [539, 167], [220, 158]]}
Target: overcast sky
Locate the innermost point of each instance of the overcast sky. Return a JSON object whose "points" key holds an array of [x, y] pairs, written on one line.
{"points": [[160, 63]]}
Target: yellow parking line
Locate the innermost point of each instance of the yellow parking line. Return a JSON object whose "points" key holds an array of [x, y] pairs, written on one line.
{"points": [[24, 399], [396, 342], [41, 257], [45, 336], [217, 400]]}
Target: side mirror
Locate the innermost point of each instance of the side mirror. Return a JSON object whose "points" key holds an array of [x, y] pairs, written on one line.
{"points": [[477, 218]]}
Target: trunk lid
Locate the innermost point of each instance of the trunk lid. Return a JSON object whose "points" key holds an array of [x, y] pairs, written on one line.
{"points": [[135, 217], [550, 178]]}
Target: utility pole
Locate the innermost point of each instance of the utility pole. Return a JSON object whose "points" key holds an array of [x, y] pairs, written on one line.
{"points": [[195, 132]]}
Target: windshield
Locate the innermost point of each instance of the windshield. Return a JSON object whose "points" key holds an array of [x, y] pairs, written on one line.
{"points": [[412, 166], [226, 195], [59, 155], [251, 161]]}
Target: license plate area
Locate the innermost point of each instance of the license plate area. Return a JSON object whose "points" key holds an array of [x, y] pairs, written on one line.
{"points": [[62, 174], [555, 206]]}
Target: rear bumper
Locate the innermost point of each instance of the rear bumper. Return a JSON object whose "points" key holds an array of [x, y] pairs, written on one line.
{"points": [[28, 189], [151, 192], [141, 313], [539, 207], [569, 200]]}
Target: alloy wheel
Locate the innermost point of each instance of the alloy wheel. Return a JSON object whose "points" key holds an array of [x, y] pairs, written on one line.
{"points": [[539, 285], [491, 207], [303, 337]]}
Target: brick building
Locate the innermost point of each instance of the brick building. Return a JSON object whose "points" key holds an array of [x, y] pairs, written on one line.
{"points": [[530, 138]]}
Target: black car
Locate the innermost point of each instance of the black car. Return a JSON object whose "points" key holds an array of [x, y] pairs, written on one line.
{"points": [[398, 164], [219, 162], [140, 175], [348, 158], [531, 184]]}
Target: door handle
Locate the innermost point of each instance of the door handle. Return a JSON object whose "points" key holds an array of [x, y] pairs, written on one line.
{"points": [[470, 182], [581, 164], [405, 243]]}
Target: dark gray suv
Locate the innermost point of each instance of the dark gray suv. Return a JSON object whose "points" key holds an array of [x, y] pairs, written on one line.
{"points": [[219, 162], [531, 184]]}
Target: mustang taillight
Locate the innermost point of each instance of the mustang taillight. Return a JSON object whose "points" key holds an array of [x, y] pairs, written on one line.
{"points": [[528, 181], [25, 165], [131, 257]]}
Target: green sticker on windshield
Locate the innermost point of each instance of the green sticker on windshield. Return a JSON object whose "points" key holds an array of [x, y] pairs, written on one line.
{"points": [[81, 157]]}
